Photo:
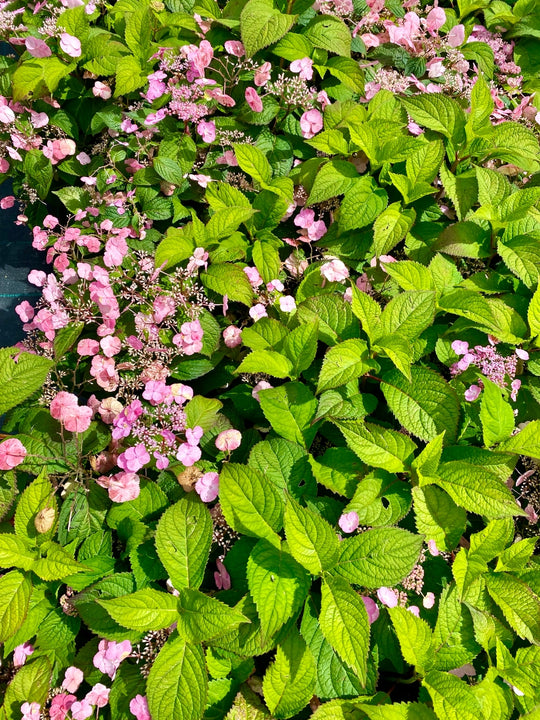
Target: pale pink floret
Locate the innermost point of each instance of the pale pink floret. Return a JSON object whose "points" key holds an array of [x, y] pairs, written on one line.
{"points": [[30, 711], [207, 486], [232, 336], [21, 652], [387, 596], [262, 385], [456, 36], [311, 123], [257, 312], [188, 454], [12, 453], [287, 303], [303, 67], [72, 679], [70, 45], [472, 393], [228, 440], [372, 608], [98, 695], [429, 601], [81, 710], [253, 100], [349, 522], [335, 271], [134, 458], [110, 654], [37, 48], [60, 706], [139, 707], [435, 20]]}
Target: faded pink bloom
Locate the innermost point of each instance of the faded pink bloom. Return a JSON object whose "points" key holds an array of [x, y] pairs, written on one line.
{"points": [[262, 74], [522, 354], [257, 312], [228, 440], [25, 311], [253, 276], [207, 130], [387, 596], [122, 487], [235, 47], [104, 371], [12, 453], [228, 158], [460, 347], [72, 679], [531, 514], [435, 20], [80, 710], [262, 385], [164, 306], [311, 123], [515, 385], [7, 202], [8, 116], [188, 454], [456, 36], [139, 707], [30, 711], [232, 336], [87, 347], [110, 654], [101, 90], [20, 654], [98, 695], [287, 303], [472, 393], [134, 458], [60, 706], [222, 577], [84, 158], [414, 128], [312, 229], [370, 40], [70, 45], [37, 48], [335, 271], [275, 285], [189, 340], [429, 601], [4, 165], [253, 100], [372, 608], [414, 609], [348, 522], [432, 547], [304, 67], [207, 486]]}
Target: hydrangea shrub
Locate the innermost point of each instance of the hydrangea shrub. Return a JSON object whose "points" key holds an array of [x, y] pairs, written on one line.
{"points": [[271, 442]]}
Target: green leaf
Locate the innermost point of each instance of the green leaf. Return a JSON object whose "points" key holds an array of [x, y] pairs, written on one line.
{"points": [[250, 159], [426, 406], [202, 411], [514, 143], [333, 315], [464, 239], [438, 517], [362, 204], [343, 362], [521, 255], [145, 610], [376, 445], [423, 165], [229, 279], [378, 557], [344, 624], [338, 470], [129, 76], [525, 442], [290, 408], [293, 47], [251, 505], [224, 222], [278, 585], [177, 684], [437, 112], [38, 172], [260, 26], [380, 499], [477, 490], [347, 71], [202, 618], [21, 374], [481, 107], [520, 606], [312, 541], [33, 78], [289, 682], [32, 683], [415, 638], [138, 33], [410, 275], [452, 698], [461, 189], [183, 540], [367, 310], [493, 187], [329, 33], [56, 563], [267, 261], [15, 552], [334, 178], [247, 706], [265, 333], [408, 314], [300, 346], [533, 313], [468, 304], [37, 496], [515, 557], [390, 227], [15, 590], [496, 414], [273, 363], [454, 642]]}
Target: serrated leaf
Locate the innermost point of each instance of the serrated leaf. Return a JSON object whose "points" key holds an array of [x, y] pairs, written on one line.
{"points": [[334, 178], [390, 227], [380, 499], [290, 408], [344, 623], [376, 445], [452, 698], [251, 505], [343, 362], [31, 684], [378, 557], [247, 706], [183, 540], [362, 204], [496, 414], [520, 606], [525, 442], [15, 552], [425, 162], [261, 25], [312, 541], [229, 279], [415, 638], [21, 374], [437, 112], [438, 517], [56, 563], [145, 610], [177, 683], [202, 618], [329, 33], [300, 346], [408, 314], [481, 107], [15, 590], [454, 643], [289, 682], [333, 315], [273, 363], [533, 313], [37, 496], [521, 254], [426, 406], [278, 585], [410, 275], [464, 239]]}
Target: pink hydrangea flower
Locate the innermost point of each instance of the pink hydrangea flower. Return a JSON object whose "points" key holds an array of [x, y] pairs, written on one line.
{"points": [[72, 679], [522, 354], [80, 710], [20, 654], [472, 393], [139, 707], [456, 36], [387, 596], [257, 312], [222, 577], [25, 311], [122, 487], [435, 20], [335, 271], [207, 486], [460, 347], [232, 336], [432, 547], [207, 130], [372, 608], [98, 695], [253, 276], [262, 74], [12, 453], [348, 522], [110, 654], [110, 345], [65, 408], [313, 229], [60, 706], [253, 100], [101, 90], [189, 339], [303, 67], [134, 458], [262, 385], [311, 123], [70, 45], [7, 202], [235, 47], [429, 600], [228, 440], [287, 303], [30, 711], [37, 48]]}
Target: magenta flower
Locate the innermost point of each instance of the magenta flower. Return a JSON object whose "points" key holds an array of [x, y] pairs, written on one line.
{"points": [[139, 707], [372, 608], [253, 100], [12, 453], [348, 522], [37, 48], [21, 652], [207, 130], [134, 458], [460, 347], [157, 392], [228, 440], [207, 486], [311, 123], [60, 706], [222, 577], [70, 45]]}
